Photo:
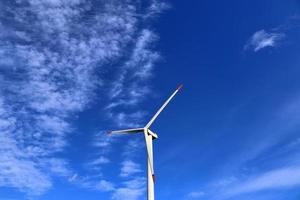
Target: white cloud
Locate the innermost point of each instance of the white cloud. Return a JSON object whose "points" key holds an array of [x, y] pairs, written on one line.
{"points": [[20, 173], [132, 187], [129, 168], [134, 146], [23, 175], [127, 193], [57, 50], [196, 195], [275, 179], [127, 93], [103, 140], [262, 39], [131, 190], [57, 166], [100, 160], [73, 178], [256, 183], [157, 7], [123, 119], [104, 186]]}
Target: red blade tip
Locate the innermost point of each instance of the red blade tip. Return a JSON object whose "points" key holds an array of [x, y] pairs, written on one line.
{"points": [[153, 177], [180, 86]]}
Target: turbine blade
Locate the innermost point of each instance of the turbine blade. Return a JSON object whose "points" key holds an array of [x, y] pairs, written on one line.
{"points": [[135, 130], [163, 106]]}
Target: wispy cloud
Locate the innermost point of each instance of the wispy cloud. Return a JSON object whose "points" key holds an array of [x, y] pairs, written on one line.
{"points": [[132, 189], [274, 179], [131, 183], [133, 186], [51, 53], [128, 90], [124, 91], [262, 39], [129, 168], [101, 160], [105, 186], [269, 162], [255, 183], [156, 7], [195, 195]]}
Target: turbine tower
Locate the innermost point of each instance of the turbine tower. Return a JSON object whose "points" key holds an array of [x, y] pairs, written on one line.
{"points": [[149, 137]]}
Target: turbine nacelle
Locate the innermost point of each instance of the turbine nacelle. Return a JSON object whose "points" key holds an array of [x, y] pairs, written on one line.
{"points": [[135, 130], [154, 135]]}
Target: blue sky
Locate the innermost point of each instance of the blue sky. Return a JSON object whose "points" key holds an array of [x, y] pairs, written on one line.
{"points": [[72, 69]]}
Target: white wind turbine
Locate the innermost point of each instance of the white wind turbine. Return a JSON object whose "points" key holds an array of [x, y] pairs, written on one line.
{"points": [[149, 137]]}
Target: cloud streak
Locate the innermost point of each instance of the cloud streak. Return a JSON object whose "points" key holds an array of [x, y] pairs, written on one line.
{"points": [[52, 53], [277, 150], [262, 39], [131, 184], [274, 179], [124, 91]]}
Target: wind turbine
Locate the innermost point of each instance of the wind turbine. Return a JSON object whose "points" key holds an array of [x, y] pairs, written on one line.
{"points": [[149, 137]]}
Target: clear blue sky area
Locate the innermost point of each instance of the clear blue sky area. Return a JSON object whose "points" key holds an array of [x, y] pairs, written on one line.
{"points": [[71, 70]]}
